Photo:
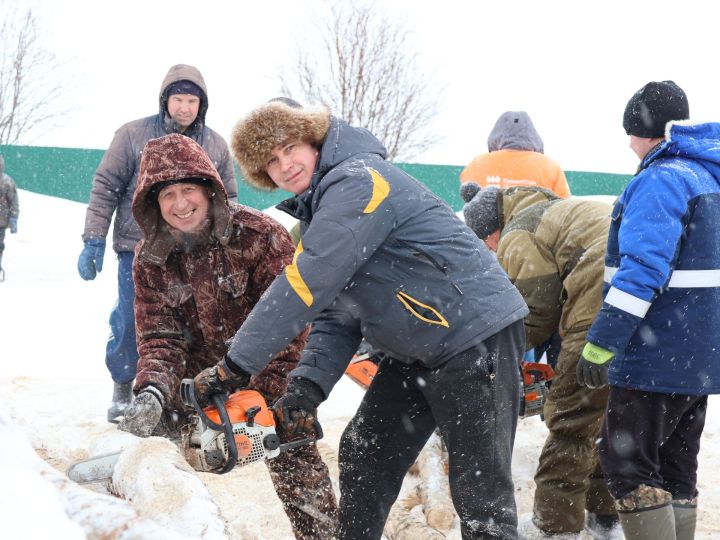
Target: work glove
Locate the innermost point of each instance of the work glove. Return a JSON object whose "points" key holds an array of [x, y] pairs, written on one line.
{"points": [[13, 225], [296, 410], [224, 377], [90, 261], [143, 415], [592, 368]]}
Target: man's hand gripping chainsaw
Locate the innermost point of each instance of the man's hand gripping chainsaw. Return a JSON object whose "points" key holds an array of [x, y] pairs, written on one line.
{"points": [[238, 429]]}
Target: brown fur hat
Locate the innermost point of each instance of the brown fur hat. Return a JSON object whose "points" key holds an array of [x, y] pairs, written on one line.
{"points": [[271, 125]]}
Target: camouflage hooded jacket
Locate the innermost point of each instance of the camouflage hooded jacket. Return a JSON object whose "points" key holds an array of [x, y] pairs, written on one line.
{"points": [[116, 176], [189, 304], [553, 251]]}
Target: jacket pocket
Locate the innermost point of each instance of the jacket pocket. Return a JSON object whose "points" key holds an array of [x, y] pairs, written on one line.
{"points": [[420, 310], [235, 284]]}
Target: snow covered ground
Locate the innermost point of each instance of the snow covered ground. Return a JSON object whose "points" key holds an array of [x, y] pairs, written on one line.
{"points": [[55, 388]]}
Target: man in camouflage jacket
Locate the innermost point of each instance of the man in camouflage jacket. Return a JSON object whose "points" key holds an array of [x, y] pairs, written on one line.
{"points": [[552, 250], [193, 290], [183, 103]]}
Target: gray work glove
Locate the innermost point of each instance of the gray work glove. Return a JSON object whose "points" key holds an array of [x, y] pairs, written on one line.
{"points": [[143, 415]]}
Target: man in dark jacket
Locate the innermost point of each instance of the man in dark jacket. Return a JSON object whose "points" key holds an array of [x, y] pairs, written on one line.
{"points": [[655, 340], [201, 268], [9, 209], [183, 105], [382, 257]]}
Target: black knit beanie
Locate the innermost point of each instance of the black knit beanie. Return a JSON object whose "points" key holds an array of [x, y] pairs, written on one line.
{"points": [[482, 209], [652, 107], [184, 87]]}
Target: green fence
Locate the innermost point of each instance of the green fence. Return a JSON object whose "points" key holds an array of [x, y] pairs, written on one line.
{"points": [[68, 172]]}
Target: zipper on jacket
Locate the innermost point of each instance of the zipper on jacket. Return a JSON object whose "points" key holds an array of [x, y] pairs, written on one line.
{"points": [[420, 254]]}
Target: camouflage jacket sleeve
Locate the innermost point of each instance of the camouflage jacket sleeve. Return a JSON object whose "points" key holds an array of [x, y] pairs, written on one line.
{"points": [[162, 345], [109, 185]]}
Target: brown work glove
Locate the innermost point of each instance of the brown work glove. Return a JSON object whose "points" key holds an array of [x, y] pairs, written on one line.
{"points": [[222, 378], [296, 410]]}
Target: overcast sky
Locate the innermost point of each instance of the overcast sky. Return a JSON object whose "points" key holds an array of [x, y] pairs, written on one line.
{"points": [[572, 65]]}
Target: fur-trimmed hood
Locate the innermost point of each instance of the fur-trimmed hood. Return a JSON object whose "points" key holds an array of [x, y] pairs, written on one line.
{"points": [[271, 125], [174, 157]]}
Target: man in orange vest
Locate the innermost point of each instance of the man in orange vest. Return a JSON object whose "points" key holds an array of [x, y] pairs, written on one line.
{"points": [[515, 158]]}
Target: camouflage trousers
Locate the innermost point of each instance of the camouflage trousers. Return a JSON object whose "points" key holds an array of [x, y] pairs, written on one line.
{"points": [[569, 479], [302, 483]]}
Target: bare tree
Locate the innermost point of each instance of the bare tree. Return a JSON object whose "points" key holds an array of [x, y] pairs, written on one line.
{"points": [[362, 66], [28, 75]]}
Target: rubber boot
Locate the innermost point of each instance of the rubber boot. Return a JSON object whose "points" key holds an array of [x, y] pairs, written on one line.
{"points": [[122, 396], [603, 527], [655, 524], [685, 519]]}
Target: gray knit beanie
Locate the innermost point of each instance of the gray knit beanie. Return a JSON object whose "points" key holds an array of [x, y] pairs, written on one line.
{"points": [[482, 208]]}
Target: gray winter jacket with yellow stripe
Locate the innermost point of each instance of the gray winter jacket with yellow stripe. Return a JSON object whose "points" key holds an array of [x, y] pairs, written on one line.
{"points": [[381, 256]]}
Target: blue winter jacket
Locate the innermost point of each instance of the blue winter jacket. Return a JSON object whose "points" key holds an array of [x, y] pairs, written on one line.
{"points": [[661, 300]]}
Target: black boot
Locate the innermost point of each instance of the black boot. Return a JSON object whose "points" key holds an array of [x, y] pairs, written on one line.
{"points": [[122, 396]]}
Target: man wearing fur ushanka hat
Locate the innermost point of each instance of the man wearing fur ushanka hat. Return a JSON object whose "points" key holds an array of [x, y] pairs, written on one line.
{"points": [[384, 258]]}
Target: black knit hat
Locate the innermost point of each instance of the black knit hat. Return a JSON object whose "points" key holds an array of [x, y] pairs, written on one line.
{"points": [[482, 209], [184, 87], [652, 107]]}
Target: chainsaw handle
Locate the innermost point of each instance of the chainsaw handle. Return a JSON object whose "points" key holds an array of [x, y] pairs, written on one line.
{"points": [[227, 427], [189, 399], [317, 428]]}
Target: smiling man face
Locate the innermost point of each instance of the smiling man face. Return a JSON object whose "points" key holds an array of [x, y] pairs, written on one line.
{"points": [[184, 206]]}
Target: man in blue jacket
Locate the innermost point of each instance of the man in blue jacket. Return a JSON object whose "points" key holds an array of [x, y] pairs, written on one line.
{"points": [[656, 338]]}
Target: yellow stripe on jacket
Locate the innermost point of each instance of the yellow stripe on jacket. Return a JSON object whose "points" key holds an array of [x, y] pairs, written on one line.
{"points": [[381, 189], [292, 273]]}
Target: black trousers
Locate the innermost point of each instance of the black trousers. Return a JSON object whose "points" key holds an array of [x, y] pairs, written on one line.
{"points": [[473, 399], [653, 439]]}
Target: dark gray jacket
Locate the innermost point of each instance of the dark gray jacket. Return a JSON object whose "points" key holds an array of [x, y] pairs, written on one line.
{"points": [[383, 257], [9, 206], [116, 176]]}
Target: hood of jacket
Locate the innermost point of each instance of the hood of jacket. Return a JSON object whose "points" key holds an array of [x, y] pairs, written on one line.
{"points": [[685, 139], [174, 157], [515, 200], [514, 130], [183, 72], [341, 143]]}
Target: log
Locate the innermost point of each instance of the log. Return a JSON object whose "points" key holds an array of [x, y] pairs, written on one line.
{"points": [[155, 478], [434, 487], [406, 522], [69, 511]]}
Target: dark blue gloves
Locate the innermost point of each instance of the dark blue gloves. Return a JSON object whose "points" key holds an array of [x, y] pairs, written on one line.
{"points": [[90, 261], [13, 225], [296, 410]]}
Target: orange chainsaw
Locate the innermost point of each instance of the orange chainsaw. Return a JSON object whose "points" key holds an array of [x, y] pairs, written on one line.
{"points": [[362, 369], [236, 430], [535, 387]]}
